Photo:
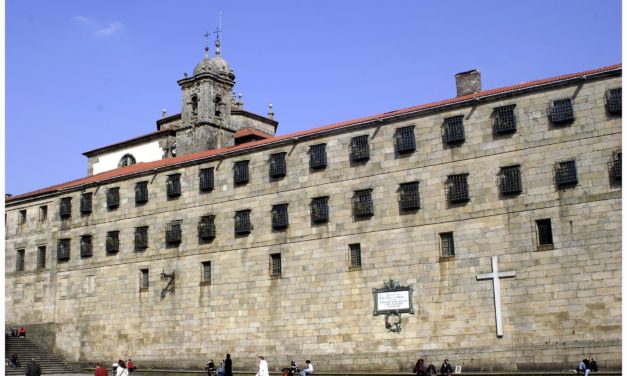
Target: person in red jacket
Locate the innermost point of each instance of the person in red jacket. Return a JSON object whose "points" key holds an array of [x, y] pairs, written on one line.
{"points": [[100, 370], [130, 365], [22, 332]]}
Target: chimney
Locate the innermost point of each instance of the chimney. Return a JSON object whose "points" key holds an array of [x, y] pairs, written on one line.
{"points": [[468, 82]]}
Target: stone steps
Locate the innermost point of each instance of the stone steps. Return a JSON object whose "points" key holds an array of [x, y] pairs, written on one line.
{"points": [[26, 350]]}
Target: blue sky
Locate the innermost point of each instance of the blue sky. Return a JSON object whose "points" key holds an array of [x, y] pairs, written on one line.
{"points": [[84, 74]]}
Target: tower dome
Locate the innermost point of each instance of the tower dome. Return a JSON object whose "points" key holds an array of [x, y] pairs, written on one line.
{"points": [[223, 68], [206, 65]]}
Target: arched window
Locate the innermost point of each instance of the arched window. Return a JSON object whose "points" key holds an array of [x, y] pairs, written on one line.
{"points": [[194, 104], [126, 160]]}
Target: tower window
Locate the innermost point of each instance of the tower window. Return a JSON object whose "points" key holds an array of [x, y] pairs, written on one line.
{"points": [[279, 216], [615, 101], [43, 213], [206, 227], [21, 217], [126, 160], [275, 264], [144, 282], [217, 101], [242, 222], [206, 179], [86, 246], [320, 209], [86, 203], [41, 257], [173, 233], [359, 149], [141, 192], [65, 208], [318, 156], [354, 255], [113, 198], [458, 188], [240, 172], [405, 140], [509, 180], [173, 185], [206, 272], [194, 101], [454, 130], [566, 174], [617, 165], [63, 250], [277, 165], [561, 111], [504, 120], [113, 241], [545, 234], [141, 238], [447, 244], [19, 260], [409, 199], [362, 203]]}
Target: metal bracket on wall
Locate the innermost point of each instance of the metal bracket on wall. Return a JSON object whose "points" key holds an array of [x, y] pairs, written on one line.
{"points": [[169, 287]]}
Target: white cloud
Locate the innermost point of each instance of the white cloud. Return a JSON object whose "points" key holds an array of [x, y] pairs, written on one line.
{"points": [[106, 31], [96, 28]]}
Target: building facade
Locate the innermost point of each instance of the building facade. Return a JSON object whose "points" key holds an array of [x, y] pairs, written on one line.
{"points": [[235, 240]]}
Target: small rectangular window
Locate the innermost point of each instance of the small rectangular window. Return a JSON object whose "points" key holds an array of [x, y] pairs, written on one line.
{"points": [[566, 174], [280, 218], [141, 238], [65, 208], [113, 198], [242, 222], [173, 232], [509, 180], [354, 255], [86, 246], [458, 188], [86, 203], [205, 177], [141, 192], [113, 241], [615, 101], [240, 172], [41, 257], [278, 166], [21, 217], [320, 210], [405, 140], [561, 111], [362, 203], [144, 281], [454, 130], [447, 243], [19, 260], [43, 213], [545, 234], [617, 165], [206, 227], [275, 264], [409, 199], [359, 149], [63, 250], [174, 186], [206, 272], [504, 120], [317, 156]]}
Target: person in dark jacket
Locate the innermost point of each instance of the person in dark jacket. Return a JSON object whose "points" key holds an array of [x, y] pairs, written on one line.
{"points": [[446, 368], [420, 369], [228, 366], [431, 370], [33, 369]]}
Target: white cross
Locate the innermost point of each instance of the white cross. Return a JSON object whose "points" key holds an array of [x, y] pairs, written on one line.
{"points": [[494, 276]]}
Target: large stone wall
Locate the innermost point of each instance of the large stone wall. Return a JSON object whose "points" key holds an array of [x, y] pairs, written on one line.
{"points": [[564, 303]]}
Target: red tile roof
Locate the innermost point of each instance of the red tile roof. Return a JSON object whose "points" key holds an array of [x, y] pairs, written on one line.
{"points": [[148, 166], [250, 131]]}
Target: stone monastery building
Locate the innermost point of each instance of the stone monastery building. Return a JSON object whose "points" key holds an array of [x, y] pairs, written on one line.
{"points": [[484, 228]]}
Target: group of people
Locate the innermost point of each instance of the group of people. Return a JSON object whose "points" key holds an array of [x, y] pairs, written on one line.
{"points": [[588, 365], [225, 368], [119, 368], [420, 369], [15, 332], [293, 369]]}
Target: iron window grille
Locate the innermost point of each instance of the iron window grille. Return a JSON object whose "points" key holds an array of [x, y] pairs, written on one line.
{"points": [[86, 203], [617, 166], [275, 264], [448, 244], [458, 188], [545, 233], [144, 281], [173, 185], [141, 192], [318, 156], [240, 172], [206, 179], [141, 238], [504, 119], [242, 222], [362, 203], [43, 213], [173, 232], [615, 101], [409, 198], [354, 255], [113, 241], [19, 261], [65, 209], [113, 198], [454, 130], [509, 180], [21, 217], [206, 272], [320, 209], [86, 246], [404, 139], [561, 111], [63, 249], [206, 227], [279, 216], [359, 149], [277, 165], [41, 257], [566, 174]]}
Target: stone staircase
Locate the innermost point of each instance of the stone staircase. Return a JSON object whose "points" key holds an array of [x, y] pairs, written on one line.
{"points": [[25, 350]]}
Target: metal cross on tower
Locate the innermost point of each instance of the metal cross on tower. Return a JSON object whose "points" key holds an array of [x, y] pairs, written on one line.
{"points": [[495, 277]]}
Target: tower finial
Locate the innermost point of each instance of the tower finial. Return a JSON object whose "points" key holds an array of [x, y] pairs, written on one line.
{"points": [[218, 31], [206, 35]]}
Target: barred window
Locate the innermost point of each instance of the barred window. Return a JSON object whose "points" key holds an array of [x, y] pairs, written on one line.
{"points": [[63, 249], [173, 232], [113, 241], [320, 209], [113, 198], [318, 156], [359, 148], [19, 260], [277, 165], [617, 166], [86, 203], [41, 257], [362, 203], [21, 217], [458, 188], [509, 180], [615, 101], [65, 208], [206, 179], [242, 222], [404, 139], [504, 120], [240, 172], [545, 233], [144, 281], [454, 130], [409, 199], [561, 111], [206, 272], [141, 192], [280, 218], [275, 264], [43, 213], [173, 185], [566, 174], [86, 246], [447, 243], [206, 227], [141, 238], [354, 255]]}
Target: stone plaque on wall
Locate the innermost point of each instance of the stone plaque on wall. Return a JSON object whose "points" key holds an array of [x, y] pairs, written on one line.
{"points": [[393, 298]]}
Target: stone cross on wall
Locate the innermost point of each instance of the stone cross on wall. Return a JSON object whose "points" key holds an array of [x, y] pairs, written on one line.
{"points": [[495, 277]]}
